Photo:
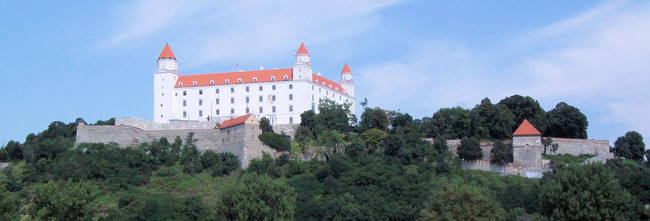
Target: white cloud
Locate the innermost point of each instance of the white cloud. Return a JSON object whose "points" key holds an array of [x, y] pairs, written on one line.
{"points": [[254, 30]]}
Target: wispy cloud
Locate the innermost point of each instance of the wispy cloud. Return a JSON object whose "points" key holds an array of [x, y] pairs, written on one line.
{"points": [[231, 30]]}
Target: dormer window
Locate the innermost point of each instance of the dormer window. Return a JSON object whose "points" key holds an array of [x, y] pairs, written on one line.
{"points": [[316, 80], [254, 79], [180, 84], [211, 81], [239, 80], [330, 86], [286, 77], [194, 83], [227, 81], [273, 78], [323, 83]]}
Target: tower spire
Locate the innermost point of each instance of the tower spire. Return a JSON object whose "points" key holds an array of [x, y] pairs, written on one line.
{"points": [[346, 69], [302, 49], [167, 53]]}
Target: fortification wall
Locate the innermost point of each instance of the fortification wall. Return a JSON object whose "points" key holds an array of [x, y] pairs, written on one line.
{"points": [[527, 151], [486, 147], [149, 126], [578, 147]]}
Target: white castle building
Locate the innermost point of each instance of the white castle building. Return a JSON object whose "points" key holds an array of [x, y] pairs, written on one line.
{"points": [[280, 95]]}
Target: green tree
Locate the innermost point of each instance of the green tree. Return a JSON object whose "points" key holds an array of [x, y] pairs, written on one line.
{"points": [[630, 146], [107, 122], [470, 149], [190, 156], [69, 202], [14, 150], [373, 118], [440, 144], [566, 121], [9, 205], [494, 121], [227, 163], [373, 138], [333, 116], [453, 200], [453, 123], [501, 153], [525, 108], [279, 142], [585, 192], [257, 197], [265, 125], [307, 119], [329, 142]]}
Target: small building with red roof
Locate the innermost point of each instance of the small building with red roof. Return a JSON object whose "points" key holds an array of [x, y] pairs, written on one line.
{"points": [[527, 146], [280, 95]]}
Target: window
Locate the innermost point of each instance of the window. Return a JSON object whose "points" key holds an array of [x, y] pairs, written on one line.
{"points": [[200, 113], [290, 97], [232, 90], [254, 79], [260, 98], [194, 83], [232, 111], [316, 80], [261, 88], [273, 78], [319, 90], [227, 81], [200, 102], [261, 110], [184, 113], [327, 93], [160, 105], [312, 98], [273, 87], [330, 86], [217, 100], [184, 93], [291, 120], [247, 89], [290, 108], [211, 81], [217, 111], [286, 77], [180, 84], [217, 90], [273, 98], [273, 109], [290, 86], [200, 91], [239, 80], [184, 103], [232, 100], [247, 99], [176, 94], [247, 110], [313, 106]]}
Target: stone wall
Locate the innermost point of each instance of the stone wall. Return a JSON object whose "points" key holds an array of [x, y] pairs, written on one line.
{"points": [[527, 151], [453, 145], [507, 169], [239, 140], [578, 147]]}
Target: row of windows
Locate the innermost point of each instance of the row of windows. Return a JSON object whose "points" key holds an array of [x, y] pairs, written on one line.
{"points": [[232, 111], [239, 80], [232, 89], [232, 100]]}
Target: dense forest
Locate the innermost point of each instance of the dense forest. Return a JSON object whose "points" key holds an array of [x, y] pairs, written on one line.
{"points": [[376, 167]]}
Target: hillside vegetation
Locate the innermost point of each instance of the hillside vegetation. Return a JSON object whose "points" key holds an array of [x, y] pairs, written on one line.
{"points": [[380, 169]]}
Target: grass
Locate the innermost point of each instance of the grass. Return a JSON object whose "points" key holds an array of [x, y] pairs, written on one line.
{"points": [[562, 159]]}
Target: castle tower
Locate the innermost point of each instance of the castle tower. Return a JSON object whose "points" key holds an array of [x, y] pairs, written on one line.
{"points": [[302, 65], [527, 146], [346, 80], [164, 79]]}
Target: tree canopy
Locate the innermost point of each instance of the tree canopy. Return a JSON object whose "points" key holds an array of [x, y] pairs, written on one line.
{"points": [[566, 121], [630, 146]]}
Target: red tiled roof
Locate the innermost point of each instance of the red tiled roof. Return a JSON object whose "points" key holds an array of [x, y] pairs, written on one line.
{"points": [[346, 69], [234, 122], [526, 128], [302, 49], [233, 77], [167, 53], [327, 83]]}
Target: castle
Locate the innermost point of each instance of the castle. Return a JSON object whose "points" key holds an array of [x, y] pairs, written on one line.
{"points": [[222, 109], [280, 95]]}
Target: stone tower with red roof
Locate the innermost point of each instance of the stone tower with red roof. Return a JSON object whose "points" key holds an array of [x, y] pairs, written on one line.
{"points": [[527, 146]]}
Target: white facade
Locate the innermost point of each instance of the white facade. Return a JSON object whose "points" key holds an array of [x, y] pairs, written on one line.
{"points": [[280, 95]]}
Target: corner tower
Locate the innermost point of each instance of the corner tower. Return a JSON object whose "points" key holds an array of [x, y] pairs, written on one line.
{"points": [[527, 146], [346, 80], [302, 65], [164, 78]]}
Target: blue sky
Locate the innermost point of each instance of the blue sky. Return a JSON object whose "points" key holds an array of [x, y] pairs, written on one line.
{"points": [[95, 60]]}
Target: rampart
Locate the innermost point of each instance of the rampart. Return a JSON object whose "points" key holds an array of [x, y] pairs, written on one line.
{"points": [[132, 131], [578, 147]]}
